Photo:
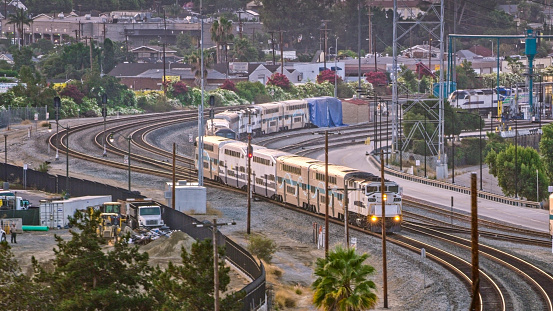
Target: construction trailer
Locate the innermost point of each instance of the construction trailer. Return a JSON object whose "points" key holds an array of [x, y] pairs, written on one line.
{"points": [[55, 213], [190, 198]]}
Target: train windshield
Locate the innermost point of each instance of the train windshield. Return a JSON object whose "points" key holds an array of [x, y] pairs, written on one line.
{"points": [[394, 188], [112, 208], [226, 133]]}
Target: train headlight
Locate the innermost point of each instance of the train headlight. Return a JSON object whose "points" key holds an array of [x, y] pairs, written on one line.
{"points": [[397, 218], [373, 218]]}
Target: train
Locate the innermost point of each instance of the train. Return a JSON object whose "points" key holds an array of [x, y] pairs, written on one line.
{"points": [[300, 181], [482, 100], [276, 117]]}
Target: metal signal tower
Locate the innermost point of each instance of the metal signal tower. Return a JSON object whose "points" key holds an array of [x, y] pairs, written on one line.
{"points": [[432, 22]]}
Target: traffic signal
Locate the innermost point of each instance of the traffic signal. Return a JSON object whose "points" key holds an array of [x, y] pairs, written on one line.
{"points": [[104, 98], [57, 102], [250, 151], [104, 112], [211, 101]]}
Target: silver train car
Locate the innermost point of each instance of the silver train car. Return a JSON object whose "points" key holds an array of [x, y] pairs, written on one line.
{"points": [[300, 181], [265, 118]]}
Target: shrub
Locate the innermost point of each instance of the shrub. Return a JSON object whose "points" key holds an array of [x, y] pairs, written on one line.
{"points": [[44, 167], [262, 247], [279, 80], [377, 78], [285, 300], [73, 91], [229, 85], [328, 76]]}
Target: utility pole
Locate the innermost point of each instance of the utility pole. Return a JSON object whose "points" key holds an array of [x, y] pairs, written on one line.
{"points": [[164, 43], [370, 32], [174, 176], [214, 226], [250, 155], [383, 221], [240, 21], [475, 277], [281, 53], [273, 45], [325, 30]]}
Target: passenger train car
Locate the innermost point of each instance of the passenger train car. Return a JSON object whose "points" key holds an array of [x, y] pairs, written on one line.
{"points": [[482, 100], [276, 116], [300, 181]]}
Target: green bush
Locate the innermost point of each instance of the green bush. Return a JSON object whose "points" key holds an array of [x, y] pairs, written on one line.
{"points": [[44, 167], [262, 247]]}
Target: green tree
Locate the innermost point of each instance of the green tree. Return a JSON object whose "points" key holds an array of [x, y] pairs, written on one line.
{"points": [[251, 90], [221, 33], [109, 61], [527, 162], [85, 277], [18, 292], [19, 19], [22, 57], [244, 51], [342, 282], [546, 149], [190, 286], [194, 59]]}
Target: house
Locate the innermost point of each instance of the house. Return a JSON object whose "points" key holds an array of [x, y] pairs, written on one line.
{"points": [[154, 54], [420, 51], [481, 50], [7, 57], [149, 76]]}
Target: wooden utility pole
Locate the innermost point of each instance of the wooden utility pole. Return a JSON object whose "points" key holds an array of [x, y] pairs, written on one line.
{"points": [[174, 176], [249, 130], [475, 277], [383, 221], [326, 194], [281, 53], [370, 32], [273, 45], [325, 30]]}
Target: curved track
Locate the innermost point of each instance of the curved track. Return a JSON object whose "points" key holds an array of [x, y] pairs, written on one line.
{"points": [[492, 296]]}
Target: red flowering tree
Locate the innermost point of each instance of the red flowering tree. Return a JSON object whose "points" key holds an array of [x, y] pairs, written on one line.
{"points": [[73, 91], [328, 75], [376, 78], [279, 80], [229, 85], [179, 88]]}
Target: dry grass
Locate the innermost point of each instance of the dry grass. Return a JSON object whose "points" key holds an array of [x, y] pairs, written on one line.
{"points": [[209, 210], [43, 123], [273, 273], [285, 299], [26, 122]]}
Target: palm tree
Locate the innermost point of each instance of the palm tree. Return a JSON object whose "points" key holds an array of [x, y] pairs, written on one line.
{"points": [[342, 282], [19, 19], [194, 60], [221, 33]]}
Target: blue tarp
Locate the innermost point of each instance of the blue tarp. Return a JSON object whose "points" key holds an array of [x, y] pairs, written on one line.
{"points": [[325, 111]]}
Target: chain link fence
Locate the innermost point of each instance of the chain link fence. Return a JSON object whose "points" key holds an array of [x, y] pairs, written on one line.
{"points": [[14, 115]]}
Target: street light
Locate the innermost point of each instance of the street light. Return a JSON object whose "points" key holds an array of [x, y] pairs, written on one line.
{"points": [[480, 143], [128, 138], [67, 128], [215, 256]]}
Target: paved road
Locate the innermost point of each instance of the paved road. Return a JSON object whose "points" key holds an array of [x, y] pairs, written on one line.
{"points": [[354, 156]]}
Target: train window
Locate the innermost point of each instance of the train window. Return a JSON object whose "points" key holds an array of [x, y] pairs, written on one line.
{"points": [[303, 186], [242, 169], [279, 180], [215, 161], [222, 163], [206, 164], [271, 177], [372, 189], [286, 117], [280, 117], [290, 189], [313, 189], [393, 188], [339, 196], [323, 199]]}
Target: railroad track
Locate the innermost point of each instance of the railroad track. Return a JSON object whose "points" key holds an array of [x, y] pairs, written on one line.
{"points": [[535, 277], [493, 298]]}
